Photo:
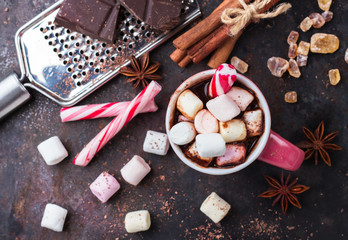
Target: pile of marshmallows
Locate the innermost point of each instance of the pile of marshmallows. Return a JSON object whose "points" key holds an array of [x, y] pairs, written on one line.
{"points": [[209, 143], [105, 186], [216, 128]]}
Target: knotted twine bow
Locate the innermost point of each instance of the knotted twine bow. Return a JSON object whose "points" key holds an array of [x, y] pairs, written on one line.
{"points": [[237, 18]]}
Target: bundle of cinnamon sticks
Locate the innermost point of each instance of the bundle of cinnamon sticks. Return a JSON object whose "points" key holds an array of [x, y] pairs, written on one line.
{"points": [[209, 37]]}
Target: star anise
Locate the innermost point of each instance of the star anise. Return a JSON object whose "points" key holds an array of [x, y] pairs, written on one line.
{"points": [[141, 72], [284, 191], [318, 144]]}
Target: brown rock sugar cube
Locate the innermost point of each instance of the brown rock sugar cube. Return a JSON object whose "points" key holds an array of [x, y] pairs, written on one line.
{"points": [[306, 24], [293, 37], [301, 60], [324, 4], [215, 207], [303, 48], [239, 64], [290, 97], [327, 15], [335, 77], [277, 66], [293, 69], [346, 56], [324, 43], [318, 20], [292, 50]]}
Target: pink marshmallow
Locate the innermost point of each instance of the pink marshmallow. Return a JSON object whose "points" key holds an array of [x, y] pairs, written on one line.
{"points": [[205, 122], [135, 170], [241, 97], [104, 187], [223, 108], [182, 118], [234, 155]]}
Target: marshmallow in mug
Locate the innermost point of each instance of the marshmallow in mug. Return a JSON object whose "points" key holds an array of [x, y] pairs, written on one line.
{"points": [[233, 130], [156, 143], [241, 97], [210, 145], [192, 153], [205, 122], [137, 221], [215, 207], [135, 170], [223, 108], [254, 122], [189, 104], [54, 217], [234, 155], [52, 150], [182, 133], [104, 186]]}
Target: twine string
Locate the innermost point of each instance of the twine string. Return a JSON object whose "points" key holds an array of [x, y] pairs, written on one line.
{"points": [[237, 18]]}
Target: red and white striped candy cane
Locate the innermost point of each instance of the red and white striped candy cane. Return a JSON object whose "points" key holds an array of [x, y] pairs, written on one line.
{"points": [[222, 81], [108, 132], [99, 111]]}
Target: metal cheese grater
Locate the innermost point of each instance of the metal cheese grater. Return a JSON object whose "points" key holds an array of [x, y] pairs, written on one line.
{"points": [[67, 66]]}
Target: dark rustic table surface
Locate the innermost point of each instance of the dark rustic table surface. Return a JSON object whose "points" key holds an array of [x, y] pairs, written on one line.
{"points": [[173, 192]]}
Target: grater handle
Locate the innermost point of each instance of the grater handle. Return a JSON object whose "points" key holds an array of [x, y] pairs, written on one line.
{"points": [[12, 94]]}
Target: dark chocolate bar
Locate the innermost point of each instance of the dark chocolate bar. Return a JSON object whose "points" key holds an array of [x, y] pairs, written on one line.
{"points": [[94, 18], [159, 14]]}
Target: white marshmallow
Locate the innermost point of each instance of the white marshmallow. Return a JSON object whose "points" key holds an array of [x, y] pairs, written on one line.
{"points": [[215, 207], [223, 108], [233, 131], [205, 122], [137, 221], [54, 217], [189, 104], [254, 122], [210, 145], [135, 170], [182, 133], [241, 97], [193, 154], [52, 150], [156, 143]]}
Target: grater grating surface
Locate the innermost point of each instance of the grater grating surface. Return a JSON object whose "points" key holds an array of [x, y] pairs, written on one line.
{"points": [[67, 66]]}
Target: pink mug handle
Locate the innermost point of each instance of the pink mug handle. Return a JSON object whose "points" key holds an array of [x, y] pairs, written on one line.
{"points": [[281, 153]]}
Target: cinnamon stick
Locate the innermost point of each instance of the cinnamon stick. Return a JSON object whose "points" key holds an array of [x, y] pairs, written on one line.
{"points": [[221, 37], [185, 61], [222, 53], [177, 55], [192, 50], [205, 27]]}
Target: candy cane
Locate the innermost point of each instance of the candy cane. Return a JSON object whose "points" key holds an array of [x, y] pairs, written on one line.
{"points": [[99, 111], [222, 81], [108, 132]]}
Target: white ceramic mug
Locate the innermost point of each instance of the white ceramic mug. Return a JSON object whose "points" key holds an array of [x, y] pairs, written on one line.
{"points": [[270, 148]]}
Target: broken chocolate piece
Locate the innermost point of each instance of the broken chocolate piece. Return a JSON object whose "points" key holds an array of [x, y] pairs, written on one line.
{"points": [[159, 14], [96, 19]]}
